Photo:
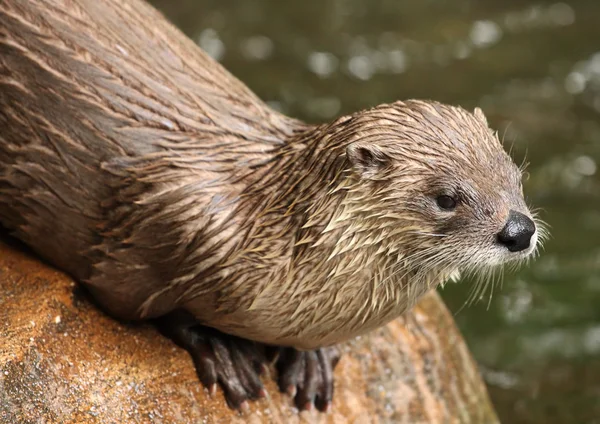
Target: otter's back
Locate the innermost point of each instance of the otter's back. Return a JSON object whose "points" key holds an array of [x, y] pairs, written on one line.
{"points": [[71, 102]]}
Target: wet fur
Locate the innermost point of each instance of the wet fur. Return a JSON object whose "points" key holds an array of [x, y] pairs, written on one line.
{"points": [[261, 226]]}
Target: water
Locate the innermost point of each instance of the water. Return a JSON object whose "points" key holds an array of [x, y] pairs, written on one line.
{"points": [[534, 67]]}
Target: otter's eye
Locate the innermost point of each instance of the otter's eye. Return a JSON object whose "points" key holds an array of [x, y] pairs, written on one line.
{"points": [[446, 202]]}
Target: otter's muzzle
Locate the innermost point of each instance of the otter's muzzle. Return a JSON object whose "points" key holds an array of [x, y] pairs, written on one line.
{"points": [[516, 234]]}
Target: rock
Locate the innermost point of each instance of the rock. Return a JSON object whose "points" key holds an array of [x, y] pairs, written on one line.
{"points": [[63, 360]]}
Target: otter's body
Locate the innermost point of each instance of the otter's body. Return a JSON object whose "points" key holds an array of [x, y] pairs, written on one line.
{"points": [[259, 225], [230, 226], [155, 210], [162, 183]]}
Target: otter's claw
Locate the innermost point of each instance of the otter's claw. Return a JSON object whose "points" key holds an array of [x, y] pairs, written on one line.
{"points": [[234, 363], [308, 376]]}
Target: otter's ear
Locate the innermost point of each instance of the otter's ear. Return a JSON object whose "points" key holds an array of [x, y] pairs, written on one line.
{"points": [[479, 115], [367, 159]]}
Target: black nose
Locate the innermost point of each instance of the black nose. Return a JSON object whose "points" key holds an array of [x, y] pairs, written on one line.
{"points": [[516, 234]]}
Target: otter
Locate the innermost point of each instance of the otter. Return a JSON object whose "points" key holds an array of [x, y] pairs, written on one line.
{"points": [[173, 194]]}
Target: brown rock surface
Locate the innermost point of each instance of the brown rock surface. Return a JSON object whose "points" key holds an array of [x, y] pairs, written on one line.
{"points": [[63, 360]]}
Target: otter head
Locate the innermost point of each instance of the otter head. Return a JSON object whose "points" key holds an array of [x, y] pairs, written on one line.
{"points": [[438, 179]]}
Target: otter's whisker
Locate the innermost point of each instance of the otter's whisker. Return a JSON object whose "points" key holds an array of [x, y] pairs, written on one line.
{"points": [[421, 233]]}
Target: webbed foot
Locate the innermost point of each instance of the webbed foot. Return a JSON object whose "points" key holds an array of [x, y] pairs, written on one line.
{"points": [[236, 364], [308, 376], [233, 363]]}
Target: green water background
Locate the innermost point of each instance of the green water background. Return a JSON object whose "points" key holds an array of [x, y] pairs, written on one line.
{"points": [[534, 67]]}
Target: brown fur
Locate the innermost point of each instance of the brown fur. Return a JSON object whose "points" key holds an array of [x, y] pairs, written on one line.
{"points": [[183, 190]]}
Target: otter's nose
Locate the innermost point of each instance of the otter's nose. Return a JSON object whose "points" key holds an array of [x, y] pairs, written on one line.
{"points": [[516, 234]]}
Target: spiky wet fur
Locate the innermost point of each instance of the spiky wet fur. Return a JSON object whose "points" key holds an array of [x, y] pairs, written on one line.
{"points": [[301, 243], [160, 181], [181, 189]]}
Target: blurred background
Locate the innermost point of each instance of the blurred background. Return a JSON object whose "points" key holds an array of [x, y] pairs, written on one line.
{"points": [[534, 68]]}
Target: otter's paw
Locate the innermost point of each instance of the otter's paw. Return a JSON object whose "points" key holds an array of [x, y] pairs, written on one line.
{"points": [[233, 363], [308, 376]]}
